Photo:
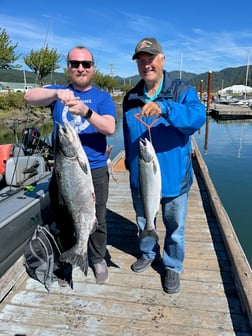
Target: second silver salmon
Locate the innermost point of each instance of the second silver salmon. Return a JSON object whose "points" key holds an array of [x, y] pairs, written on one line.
{"points": [[150, 185]]}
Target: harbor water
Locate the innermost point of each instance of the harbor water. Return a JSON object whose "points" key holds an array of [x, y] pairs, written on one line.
{"points": [[226, 147]]}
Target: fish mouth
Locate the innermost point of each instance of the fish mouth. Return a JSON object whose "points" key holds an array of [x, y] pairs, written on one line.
{"points": [[66, 131], [143, 142], [67, 141], [61, 128], [145, 150]]}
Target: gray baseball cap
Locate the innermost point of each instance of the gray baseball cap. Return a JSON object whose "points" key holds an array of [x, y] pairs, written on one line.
{"points": [[149, 45]]}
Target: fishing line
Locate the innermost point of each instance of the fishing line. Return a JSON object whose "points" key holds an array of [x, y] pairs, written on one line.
{"points": [[148, 126], [20, 149]]}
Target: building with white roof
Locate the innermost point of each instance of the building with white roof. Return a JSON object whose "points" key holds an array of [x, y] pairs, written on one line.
{"points": [[235, 89]]}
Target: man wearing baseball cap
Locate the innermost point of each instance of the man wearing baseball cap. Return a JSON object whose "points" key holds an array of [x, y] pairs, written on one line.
{"points": [[179, 113]]}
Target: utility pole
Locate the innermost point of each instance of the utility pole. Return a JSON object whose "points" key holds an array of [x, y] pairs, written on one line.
{"points": [[181, 66], [112, 70], [247, 73], [112, 74]]}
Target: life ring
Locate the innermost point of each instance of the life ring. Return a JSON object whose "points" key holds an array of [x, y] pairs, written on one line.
{"points": [[5, 153]]}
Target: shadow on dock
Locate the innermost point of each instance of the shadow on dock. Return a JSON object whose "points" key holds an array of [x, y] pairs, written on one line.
{"points": [[120, 232]]}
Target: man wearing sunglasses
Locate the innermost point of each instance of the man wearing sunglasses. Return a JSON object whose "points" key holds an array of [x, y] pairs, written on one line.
{"points": [[92, 113]]}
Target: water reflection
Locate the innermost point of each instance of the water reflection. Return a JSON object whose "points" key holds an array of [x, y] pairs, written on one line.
{"points": [[226, 146], [116, 140], [13, 134], [229, 132]]}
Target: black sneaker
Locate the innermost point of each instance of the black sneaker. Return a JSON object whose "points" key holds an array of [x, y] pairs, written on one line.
{"points": [[141, 264], [171, 282]]}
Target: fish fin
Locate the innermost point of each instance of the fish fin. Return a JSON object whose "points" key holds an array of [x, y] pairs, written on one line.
{"points": [[64, 275], [83, 166], [75, 259], [150, 233]]}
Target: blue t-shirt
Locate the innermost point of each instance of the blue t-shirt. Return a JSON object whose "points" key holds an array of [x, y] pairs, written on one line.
{"points": [[93, 142]]}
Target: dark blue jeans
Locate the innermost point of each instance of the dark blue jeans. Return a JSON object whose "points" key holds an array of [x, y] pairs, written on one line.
{"points": [[174, 210]]}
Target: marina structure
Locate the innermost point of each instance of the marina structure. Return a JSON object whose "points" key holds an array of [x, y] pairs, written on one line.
{"points": [[235, 111], [216, 283]]}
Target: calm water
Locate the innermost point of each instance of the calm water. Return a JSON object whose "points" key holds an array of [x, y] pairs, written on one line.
{"points": [[227, 150], [14, 133]]}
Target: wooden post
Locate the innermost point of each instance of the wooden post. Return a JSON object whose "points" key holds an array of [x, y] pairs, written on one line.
{"points": [[209, 89], [201, 89], [206, 135]]}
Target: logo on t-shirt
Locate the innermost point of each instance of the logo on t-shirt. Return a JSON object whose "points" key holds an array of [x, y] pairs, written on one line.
{"points": [[77, 122]]}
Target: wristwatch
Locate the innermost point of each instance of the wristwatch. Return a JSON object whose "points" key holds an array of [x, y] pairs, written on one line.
{"points": [[88, 114]]}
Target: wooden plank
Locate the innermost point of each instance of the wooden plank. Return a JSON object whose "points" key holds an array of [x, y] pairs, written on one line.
{"points": [[11, 277], [133, 304]]}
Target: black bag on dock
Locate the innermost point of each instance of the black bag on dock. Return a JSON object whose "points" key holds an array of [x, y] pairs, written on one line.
{"points": [[41, 256]]}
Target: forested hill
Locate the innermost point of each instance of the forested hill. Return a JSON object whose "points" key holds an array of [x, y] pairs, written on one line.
{"points": [[17, 76], [220, 79]]}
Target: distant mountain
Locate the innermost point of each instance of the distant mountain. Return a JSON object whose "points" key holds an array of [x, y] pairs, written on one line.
{"points": [[224, 78], [220, 79], [187, 76], [17, 76]]}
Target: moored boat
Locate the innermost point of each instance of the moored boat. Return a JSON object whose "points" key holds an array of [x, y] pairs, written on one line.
{"points": [[24, 196]]}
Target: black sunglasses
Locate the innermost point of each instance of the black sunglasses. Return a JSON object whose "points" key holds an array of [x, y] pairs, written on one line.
{"points": [[85, 64]]}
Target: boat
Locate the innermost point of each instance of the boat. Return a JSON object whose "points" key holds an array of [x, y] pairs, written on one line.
{"points": [[236, 95], [24, 197]]}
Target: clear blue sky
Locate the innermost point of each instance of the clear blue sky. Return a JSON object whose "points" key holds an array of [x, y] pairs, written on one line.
{"points": [[196, 36]]}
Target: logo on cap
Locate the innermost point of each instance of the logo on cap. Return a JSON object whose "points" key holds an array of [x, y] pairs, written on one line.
{"points": [[144, 44]]}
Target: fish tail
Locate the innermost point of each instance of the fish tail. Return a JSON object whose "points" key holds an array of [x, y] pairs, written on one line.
{"points": [[150, 233], [75, 258]]}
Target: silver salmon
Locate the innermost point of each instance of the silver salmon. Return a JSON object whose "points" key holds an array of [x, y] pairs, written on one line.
{"points": [[150, 185], [76, 189]]}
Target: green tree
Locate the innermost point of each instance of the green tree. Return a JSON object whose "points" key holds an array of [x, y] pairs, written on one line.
{"points": [[104, 81], [126, 88], [43, 62], [7, 55]]}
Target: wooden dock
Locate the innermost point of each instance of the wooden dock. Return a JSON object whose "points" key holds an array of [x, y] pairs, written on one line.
{"points": [[216, 283], [222, 111]]}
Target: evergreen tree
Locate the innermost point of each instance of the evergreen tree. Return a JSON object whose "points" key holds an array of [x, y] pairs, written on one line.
{"points": [[7, 55]]}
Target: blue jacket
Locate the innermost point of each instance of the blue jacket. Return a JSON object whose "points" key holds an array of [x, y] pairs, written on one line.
{"points": [[182, 115]]}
